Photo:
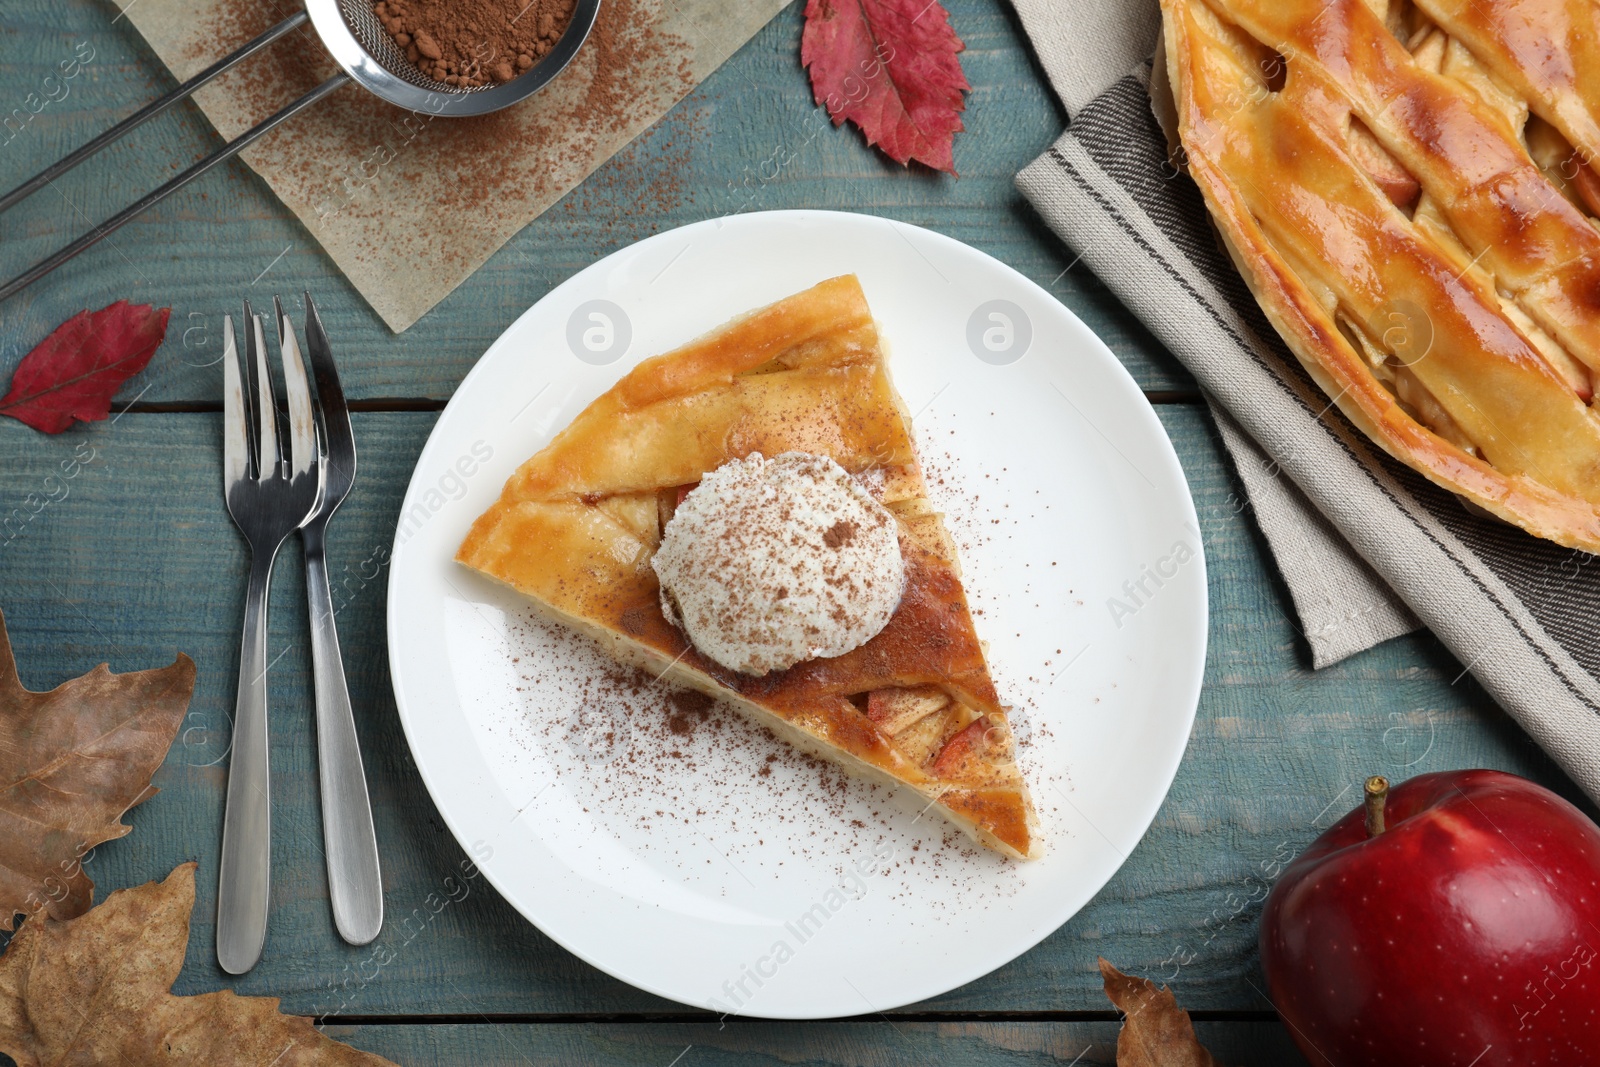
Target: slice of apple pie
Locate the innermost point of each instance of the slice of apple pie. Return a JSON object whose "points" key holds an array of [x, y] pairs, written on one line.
{"points": [[746, 516], [1410, 190]]}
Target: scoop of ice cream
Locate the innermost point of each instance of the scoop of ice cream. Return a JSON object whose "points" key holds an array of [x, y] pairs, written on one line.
{"points": [[768, 563]]}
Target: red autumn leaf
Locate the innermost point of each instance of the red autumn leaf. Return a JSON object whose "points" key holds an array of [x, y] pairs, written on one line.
{"points": [[890, 67], [73, 374]]}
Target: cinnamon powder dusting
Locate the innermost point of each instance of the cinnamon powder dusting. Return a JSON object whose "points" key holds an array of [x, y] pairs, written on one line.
{"points": [[692, 786]]}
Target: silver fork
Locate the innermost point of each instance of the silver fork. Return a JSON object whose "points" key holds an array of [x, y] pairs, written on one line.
{"points": [[268, 499], [354, 882]]}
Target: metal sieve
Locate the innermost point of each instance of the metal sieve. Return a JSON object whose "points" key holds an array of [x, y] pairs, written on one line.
{"points": [[366, 55]]}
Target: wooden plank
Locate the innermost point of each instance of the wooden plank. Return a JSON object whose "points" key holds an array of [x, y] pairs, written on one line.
{"points": [[1083, 1044], [749, 138], [137, 559]]}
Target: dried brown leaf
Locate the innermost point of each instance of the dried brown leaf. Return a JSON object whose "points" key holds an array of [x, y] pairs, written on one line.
{"points": [[1155, 1031], [72, 761], [96, 989]]}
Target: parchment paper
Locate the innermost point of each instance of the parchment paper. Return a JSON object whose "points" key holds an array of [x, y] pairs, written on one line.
{"points": [[409, 205]]}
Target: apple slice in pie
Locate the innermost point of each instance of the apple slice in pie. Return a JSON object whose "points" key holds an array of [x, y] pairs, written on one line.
{"points": [[746, 516]]}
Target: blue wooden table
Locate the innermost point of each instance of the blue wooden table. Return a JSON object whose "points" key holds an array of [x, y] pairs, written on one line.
{"points": [[139, 561]]}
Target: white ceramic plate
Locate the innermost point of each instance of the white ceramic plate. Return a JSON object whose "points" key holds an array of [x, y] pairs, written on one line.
{"points": [[696, 857]]}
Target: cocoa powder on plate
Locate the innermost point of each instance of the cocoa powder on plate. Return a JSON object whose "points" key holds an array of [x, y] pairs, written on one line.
{"points": [[472, 42]]}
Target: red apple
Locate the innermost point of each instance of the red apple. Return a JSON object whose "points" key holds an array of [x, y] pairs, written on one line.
{"points": [[1462, 929]]}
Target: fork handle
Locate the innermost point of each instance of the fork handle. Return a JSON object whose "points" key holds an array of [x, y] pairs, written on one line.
{"points": [[244, 880], [354, 883]]}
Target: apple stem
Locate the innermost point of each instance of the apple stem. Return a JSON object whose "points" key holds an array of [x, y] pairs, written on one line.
{"points": [[1377, 790]]}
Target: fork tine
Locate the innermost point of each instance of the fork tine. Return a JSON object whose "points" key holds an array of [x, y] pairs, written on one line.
{"points": [[235, 439], [268, 458], [252, 431], [330, 394], [302, 419]]}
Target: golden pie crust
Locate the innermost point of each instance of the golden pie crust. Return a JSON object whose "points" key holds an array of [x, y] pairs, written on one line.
{"points": [[1410, 191], [576, 526]]}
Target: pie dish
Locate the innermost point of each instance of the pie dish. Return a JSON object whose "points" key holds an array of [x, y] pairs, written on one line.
{"points": [[1410, 191], [576, 526]]}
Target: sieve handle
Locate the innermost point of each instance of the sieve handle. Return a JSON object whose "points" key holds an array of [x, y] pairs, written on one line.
{"points": [[151, 110], [117, 221]]}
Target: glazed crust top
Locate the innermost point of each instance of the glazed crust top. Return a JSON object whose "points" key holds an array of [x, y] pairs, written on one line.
{"points": [[1408, 189]]}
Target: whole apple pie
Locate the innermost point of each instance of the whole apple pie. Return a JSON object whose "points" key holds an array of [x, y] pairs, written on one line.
{"points": [[1410, 190]]}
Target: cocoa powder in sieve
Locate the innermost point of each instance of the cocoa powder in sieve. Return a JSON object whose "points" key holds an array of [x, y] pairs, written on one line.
{"points": [[473, 42]]}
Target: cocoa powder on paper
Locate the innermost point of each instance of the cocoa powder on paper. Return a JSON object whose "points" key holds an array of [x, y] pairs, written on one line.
{"points": [[472, 42], [370, 159]]}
